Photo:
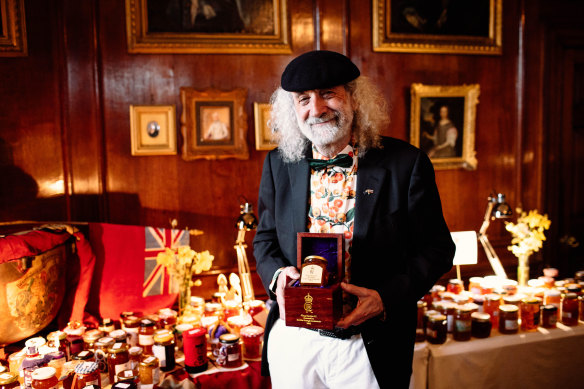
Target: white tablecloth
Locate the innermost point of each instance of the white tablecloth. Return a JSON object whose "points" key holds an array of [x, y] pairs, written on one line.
{"points": [[542, 359]]}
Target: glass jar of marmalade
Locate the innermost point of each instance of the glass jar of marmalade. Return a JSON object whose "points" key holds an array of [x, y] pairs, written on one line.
{"points": [[118, 360], [86, 373], [462, 324], [436, 329], [314, 271], [491, 306], [44, 378], [570, 309], [146, 335], [508, 319], [530, 313], [420, 335], [9, 380], [549, 316], [84, 355], [128, 375], [474, 285], [252, 337], [168, 318], [163, 349], [135, 357], [455, 286], [230, 351], [449, 310], [149, 372], [131, 324], [106, 326], [481, 325], [90, 337], [119, 336]]}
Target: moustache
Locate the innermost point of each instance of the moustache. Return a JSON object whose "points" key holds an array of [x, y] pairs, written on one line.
{"points": [[322, 119]]}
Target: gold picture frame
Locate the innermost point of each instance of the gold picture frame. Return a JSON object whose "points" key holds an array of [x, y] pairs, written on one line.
{"points": [[257, 27], [12, 29], [213, 124], [153, 129], [467, 27], [263, 133], [438, 113]]}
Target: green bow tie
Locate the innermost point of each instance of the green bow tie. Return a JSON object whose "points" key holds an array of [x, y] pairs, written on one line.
{"points": [[341, 160]]}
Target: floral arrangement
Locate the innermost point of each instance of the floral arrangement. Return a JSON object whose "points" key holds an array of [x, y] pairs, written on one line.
{"points": [[528, 234], [182, 263]]}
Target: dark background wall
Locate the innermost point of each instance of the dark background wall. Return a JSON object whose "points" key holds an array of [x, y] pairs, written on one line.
{"points": [[65, 126]]}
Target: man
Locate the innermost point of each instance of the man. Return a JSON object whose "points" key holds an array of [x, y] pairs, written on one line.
{"points": [[383, 199]]}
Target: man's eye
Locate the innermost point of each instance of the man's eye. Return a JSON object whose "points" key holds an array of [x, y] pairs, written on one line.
{"points": [[303, 100], [327, 95]]}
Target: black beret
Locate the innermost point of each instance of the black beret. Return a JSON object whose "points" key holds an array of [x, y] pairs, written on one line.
{"points": [[318, 70]]}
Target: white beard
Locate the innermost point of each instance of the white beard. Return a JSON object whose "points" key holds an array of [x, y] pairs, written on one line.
{"points": [[327, 134]]}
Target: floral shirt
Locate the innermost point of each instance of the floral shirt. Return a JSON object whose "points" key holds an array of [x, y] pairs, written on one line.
{"points": [[332, 201]]}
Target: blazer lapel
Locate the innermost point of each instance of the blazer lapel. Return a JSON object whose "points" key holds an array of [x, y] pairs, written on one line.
{"points": [[370, 179], [299, 180]]}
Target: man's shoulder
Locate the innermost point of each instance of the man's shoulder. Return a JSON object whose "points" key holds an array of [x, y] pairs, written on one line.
{"points": [[395, 148]]}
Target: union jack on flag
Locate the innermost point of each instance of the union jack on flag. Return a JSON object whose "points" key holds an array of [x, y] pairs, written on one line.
{"points": [[157, 281]]}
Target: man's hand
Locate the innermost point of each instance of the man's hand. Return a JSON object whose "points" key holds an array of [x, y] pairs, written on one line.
{"points": [[369, 305], [292, 273]]}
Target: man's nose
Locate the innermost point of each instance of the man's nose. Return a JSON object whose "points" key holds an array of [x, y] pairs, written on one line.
{"points": [[318, 107]]}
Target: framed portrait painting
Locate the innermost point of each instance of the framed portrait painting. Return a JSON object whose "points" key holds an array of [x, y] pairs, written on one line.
{"points": [[434, 26], [207, 26], [13, 41], [153, 129], [263, 133], [213, 124], [443, 124]]}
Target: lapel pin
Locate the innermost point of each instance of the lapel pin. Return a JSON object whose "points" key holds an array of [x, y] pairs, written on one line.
{"points": [[368, 191]]}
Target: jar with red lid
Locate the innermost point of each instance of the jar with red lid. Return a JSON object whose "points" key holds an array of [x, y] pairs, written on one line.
{"points": [[508, 319], [436, 329], [462, 324], [9, 380], [195, 350], [530, 313], [163, 349], [45, 378], [252, 338], [455, 286], [146, 335], [549, 316], [118, 360], [229, 351], [420, 335], [149, 372], [481, 325], [570, 309], [58, 340], [86, 373]]}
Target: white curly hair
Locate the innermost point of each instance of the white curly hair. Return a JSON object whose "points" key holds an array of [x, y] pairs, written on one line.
{"points": [[370, 117]]}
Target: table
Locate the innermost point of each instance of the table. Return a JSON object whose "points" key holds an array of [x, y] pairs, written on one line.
{"points": [[541, 359]]}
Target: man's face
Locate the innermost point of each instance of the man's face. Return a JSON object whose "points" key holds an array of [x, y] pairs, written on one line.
{"points": [[324, 116]]}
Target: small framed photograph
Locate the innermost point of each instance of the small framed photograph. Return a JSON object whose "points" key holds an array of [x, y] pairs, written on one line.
{"points": [[460, 27], [443, 124], [12, 29], [153, 129], [263, 133], [213, 124], [190, 27]]}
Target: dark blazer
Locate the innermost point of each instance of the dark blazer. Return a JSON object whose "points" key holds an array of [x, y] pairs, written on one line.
{"points": [[401, 244]]}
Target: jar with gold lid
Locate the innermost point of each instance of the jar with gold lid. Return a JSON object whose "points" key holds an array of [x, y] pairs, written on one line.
{"points": [[84, 355], [549, 316], [128, 375], [229, 351], [163, 349], [90, 337], [119, 336], [146, 335], [106, 326], [58, 340], [314, 271], [131, 324], [530, 313], [436, 329], [491, 306], [118, 360], [149, 372], [44, 378], [481, 325], [570, 309], [9, 380], [508, 319], [420, 333], [135, 357], [462, 323]]}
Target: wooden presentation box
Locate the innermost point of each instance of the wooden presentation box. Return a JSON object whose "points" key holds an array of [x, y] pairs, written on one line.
{"points": [[311, 306]]}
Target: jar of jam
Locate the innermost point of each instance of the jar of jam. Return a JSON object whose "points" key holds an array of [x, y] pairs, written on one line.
{"points": [[86, 373], [491, 306], [90, 337], [508, 319], [552, 296], [254, 308], [435, 292], [118, 360], [509, 287], [570, 309], [530, 313], [236, 323], [549, 316], [84, 355], [198, 304], [135, 357], [74, 331], [231, 308], [574, 288], [101, 353], [163, 349], [149, 372], [314, 271], [229, 351], [9, 380], [479, 300], [252, 337], [58, 340], [146, 335], [195, 350], [481, 325], [474, 285], [462, 324], [436, 329], [44, 378], [131, 324], [420, 335], [106, 326], [168, 318], [128, 375], [455, 286], [119, 336], [214, 309], [449, 310]]}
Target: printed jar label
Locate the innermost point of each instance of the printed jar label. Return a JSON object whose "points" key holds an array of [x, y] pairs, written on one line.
{"points": [[233, 357], [121, 367], [160, 353], [311, 274], [145, 340], [511, 324]]}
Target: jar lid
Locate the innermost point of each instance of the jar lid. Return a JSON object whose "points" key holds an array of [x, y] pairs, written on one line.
{"points": [[117, 348], [180, 328], [256, 303], [251, 331], [481, 317], [118, 335], [166, 313], [60, 335], [162, 337], [431, 312], [531, 300], [35, 342], [126, 375], [135, 350], [316, 258], [436, 317], [92, 335], [131, 321], [492, 297], [197, 301], [44, 373], [475, 279], [422, 304], [463, 309], [549, 307], [438, 288], [86, 367], [229, 338], [106, 341], [240, 320], [147, 323], [8, 378], [570, 296], [195, 333], [83, 355], [149, 361], [509, 308]]}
